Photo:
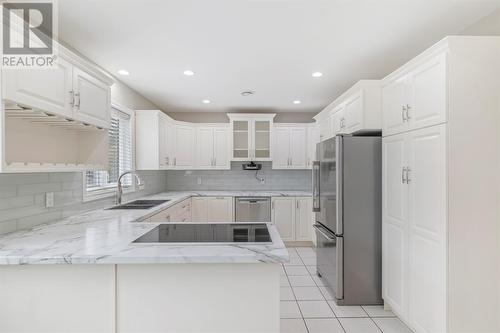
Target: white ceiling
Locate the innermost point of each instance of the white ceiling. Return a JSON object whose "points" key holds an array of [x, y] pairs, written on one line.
{"points": [[268, 46]]}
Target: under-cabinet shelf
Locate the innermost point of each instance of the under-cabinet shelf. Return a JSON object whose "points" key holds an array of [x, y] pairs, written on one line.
{"points": [[38, 141]]}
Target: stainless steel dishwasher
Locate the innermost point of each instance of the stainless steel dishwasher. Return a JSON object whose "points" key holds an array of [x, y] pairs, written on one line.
{"points": [[253, 209]]}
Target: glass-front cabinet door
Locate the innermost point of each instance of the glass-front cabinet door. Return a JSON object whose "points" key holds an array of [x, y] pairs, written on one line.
{"points": [[262, 135], [252, 136], [241, 139]]}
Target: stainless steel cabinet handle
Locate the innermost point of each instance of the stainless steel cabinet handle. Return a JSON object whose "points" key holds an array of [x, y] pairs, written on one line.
{"points": [[408, 179], [408, 107], [403, 175], [77, 100], [403, 113], [72, 96], [297, 204]]}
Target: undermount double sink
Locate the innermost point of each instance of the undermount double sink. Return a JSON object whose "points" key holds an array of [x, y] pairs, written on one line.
{"points": [[139, 204]]}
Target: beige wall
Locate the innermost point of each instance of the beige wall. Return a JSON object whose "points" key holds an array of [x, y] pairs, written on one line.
{"points": [[487, 26], [124, 95], [221, 117]]}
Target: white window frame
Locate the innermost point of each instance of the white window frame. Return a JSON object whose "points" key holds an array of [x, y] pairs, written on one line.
{"points": [[109, 191]]}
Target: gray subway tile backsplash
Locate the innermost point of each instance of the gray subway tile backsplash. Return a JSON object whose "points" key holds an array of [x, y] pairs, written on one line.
{"points": [[239, 179], [22, 196]]}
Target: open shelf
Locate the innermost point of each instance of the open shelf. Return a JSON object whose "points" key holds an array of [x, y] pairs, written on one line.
{"points": [[38, 141]]}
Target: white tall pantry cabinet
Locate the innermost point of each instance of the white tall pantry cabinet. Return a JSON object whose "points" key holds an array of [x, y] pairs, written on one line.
{"points": [[441, 149]]}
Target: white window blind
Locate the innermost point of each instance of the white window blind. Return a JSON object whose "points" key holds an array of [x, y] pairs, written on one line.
{"points": [[119, 154]]}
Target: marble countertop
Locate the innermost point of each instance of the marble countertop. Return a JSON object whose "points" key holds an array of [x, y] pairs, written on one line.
{"points": [[105, 237]]}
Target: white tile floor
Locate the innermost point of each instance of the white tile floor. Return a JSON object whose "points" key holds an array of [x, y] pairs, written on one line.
{"points": [[307, 307]]}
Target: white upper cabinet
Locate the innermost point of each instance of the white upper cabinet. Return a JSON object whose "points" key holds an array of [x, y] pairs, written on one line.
{"points": [[154, 140], [394, 104], [184, 153], [359, 108], [289, 147], [49, 90], [212, 146], [281, 156], [205, 148], [353, 113], [337, 120], [313, 138], [92, 99], [68, 91], [251, 136], [415, 96], [55, 120]]}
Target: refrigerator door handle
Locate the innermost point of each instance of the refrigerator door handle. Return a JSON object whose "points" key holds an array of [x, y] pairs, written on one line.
{"points": [[340, 268], [339, 164], [320, 230], [316, 189]]}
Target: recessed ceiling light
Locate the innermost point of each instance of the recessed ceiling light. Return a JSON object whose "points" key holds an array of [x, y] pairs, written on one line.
{"points": [[297, 102], [206, 101], [317, 74], [123, 72], [188, 73], [247, 93]]}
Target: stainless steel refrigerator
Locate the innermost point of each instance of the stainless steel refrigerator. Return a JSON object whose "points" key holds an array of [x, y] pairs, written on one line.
{"points": [[347, 201]]}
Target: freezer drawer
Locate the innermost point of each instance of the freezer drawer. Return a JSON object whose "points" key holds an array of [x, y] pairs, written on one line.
{"points": [[329, 254]]}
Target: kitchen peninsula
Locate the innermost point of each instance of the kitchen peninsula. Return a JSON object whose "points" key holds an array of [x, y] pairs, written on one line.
{"points": [[61, 274]]}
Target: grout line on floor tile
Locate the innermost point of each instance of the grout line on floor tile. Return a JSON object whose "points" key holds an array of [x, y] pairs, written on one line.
{"points": [[376, 325]]}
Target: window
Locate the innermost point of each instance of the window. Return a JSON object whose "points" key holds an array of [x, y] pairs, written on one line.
{"points": [[100, 184]]}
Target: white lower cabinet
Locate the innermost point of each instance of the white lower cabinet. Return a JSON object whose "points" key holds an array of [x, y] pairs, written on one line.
{"points": [[414, 227], [212, 209], [292, 217], [303, 219]]}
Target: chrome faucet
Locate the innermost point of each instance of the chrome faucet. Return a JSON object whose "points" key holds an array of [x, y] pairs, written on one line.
{"points": [[119, 191]]}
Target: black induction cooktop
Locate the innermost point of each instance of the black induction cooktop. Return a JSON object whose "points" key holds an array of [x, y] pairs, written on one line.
{"points": [[207, 233]]}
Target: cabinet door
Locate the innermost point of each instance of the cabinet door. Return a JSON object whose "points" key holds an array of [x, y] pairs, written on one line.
{"points": [[163, 140], [166, 215], [303, 219], [283, 216], [354, 114], [49, 90], [184, 147], [199, 209], [261, 140], [427, 229], [220, 209], [395, 223], [241, 139], [394, 100], [205, 148], [92, 99], [313, 139], [169, 144], [281, 155], [338, 121], [428, 93], [298, 147], [221, 148]]}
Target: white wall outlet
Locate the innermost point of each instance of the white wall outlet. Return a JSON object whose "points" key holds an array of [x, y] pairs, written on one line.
{"points": [[198, 180], [49, 199]]}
